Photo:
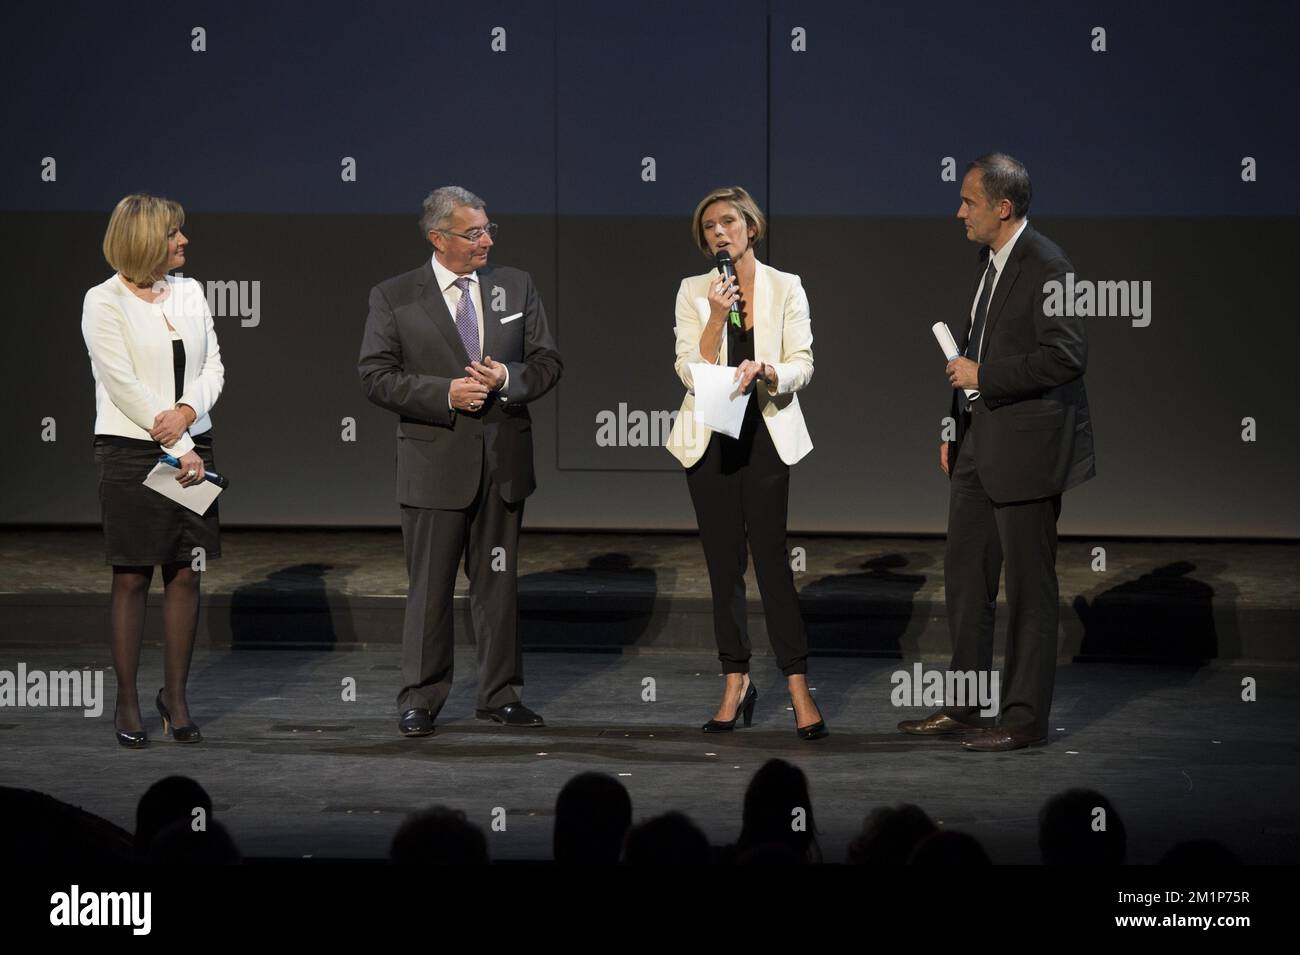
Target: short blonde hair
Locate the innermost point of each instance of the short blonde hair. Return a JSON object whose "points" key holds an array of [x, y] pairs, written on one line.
{"points": [[136, 241], [744, 204]]}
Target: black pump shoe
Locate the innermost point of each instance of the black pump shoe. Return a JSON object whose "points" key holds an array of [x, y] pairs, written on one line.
{"points": [[816, 730], [133, 739], [189, 733], [744, 711]]}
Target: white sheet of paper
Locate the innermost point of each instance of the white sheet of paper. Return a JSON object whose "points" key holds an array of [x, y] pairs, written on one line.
{"points": [[197, 498], [948, 345], [719, 402]]}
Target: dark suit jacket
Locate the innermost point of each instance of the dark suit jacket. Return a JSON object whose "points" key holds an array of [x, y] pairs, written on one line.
{"points": [[411, 351], [1033, 431]]}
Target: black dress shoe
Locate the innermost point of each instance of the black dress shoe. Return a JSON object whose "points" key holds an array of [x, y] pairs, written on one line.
{"points": [[416, 722], [744, 711], [512, 714], [939, 724], [189, 733], [999, 739]]}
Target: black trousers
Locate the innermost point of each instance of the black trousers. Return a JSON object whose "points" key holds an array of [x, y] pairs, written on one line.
{"points": [[740, 489], [435, 542], [982, 537]]}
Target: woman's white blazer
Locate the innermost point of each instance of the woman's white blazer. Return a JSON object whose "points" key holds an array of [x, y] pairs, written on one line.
{"points": [[131, 358], [782, 338]]}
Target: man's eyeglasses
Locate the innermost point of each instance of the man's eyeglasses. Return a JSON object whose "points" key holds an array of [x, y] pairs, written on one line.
{"points": [[473, 235]]}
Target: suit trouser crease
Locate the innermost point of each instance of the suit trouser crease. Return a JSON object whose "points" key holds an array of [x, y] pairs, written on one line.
{"points": [[982, 537], [435, 542], [741, 507]]}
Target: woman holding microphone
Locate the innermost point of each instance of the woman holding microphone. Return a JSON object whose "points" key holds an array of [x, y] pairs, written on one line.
{"points": [[157, 370], [740, 486]]}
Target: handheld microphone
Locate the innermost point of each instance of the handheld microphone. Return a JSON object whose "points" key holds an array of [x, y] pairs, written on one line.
{"points": [[728, 270], [212, 476]]}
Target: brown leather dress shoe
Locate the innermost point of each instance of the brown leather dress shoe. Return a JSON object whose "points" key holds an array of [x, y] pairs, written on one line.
{"points": [[940, 724], [999, 740]]}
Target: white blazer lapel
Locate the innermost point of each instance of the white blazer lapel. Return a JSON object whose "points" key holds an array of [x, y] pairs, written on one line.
{"points": [[767, 340], [182, 315], [149, 344]]}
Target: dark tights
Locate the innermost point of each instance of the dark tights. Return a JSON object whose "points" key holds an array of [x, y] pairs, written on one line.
{"points": [[180, 620]]}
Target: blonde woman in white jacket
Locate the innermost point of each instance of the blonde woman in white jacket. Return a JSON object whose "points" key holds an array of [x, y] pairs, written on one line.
{"points": [[158, 372], [741, 486]]}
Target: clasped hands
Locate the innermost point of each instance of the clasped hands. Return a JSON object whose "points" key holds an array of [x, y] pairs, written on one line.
{"points": [[481, 379], [169, 425], [748, 370]]}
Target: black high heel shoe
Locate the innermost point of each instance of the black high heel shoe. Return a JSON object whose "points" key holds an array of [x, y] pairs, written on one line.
{"points": [[817, 730], [133, 739], [744, 711], [189, 733]]}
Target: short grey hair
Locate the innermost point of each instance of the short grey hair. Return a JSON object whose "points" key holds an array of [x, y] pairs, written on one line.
{"points": [[440, 204], [1005, 177]]}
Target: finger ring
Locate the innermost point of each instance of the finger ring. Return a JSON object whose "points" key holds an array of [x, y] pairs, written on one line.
{"points": [[191, 472]]}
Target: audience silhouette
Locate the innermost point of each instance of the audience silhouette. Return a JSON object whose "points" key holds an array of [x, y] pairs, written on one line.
{"points": [[592, 816], [593, 825]]}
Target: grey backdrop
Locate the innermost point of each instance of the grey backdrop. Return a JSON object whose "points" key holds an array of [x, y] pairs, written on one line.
{"points": [[1136, 156]]}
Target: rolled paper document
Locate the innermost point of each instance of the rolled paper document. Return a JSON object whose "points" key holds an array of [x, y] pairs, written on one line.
{"points": [[950, 351]]}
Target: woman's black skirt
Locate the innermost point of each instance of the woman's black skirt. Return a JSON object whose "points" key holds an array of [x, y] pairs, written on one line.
{"points": [[141, 526]]}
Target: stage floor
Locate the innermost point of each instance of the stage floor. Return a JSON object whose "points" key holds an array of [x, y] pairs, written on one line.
{"points": [[295, 771]]}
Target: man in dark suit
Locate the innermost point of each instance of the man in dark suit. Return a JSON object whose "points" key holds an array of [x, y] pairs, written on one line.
{"points": [[1023, 438], [458, 348]]}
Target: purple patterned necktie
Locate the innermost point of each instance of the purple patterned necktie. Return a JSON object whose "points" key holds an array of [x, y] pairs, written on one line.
{"points": [[467, 320]]}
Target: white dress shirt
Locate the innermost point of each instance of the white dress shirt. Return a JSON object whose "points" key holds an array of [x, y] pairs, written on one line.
{"points": [[999, 264], [446, 280]]}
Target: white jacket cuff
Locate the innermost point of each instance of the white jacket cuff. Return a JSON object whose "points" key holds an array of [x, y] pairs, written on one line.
{"points": [[184, 445]]}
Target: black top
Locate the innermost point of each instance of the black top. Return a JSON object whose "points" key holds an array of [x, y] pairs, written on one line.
{"points": [[740, 344], [178, 365], [740, 347]]}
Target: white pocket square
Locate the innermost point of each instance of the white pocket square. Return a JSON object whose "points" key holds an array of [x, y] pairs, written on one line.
{"points": [[511, 318]]}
